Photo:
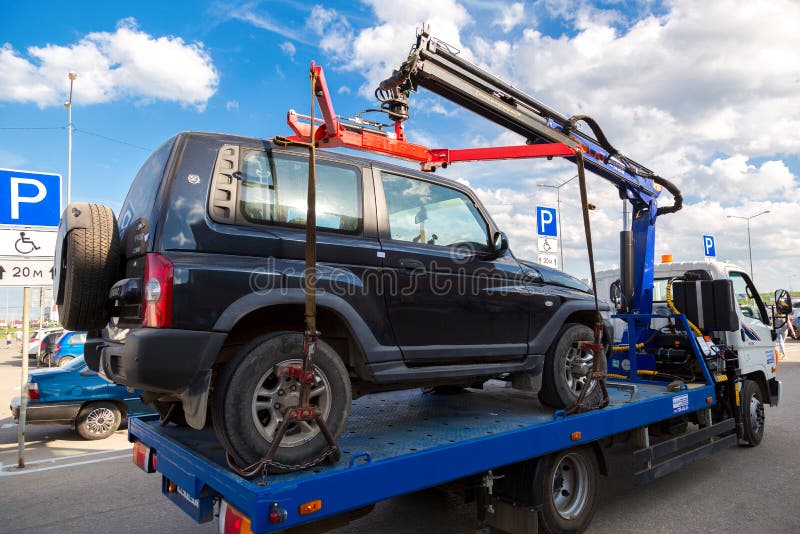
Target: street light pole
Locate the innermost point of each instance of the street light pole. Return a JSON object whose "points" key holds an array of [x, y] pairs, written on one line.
{"points": [[558, 205], [749, 246], [68, 105]]}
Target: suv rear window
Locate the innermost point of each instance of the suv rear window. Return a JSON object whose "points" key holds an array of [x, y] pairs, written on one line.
{"points": [[273, 190], [142, 194]]}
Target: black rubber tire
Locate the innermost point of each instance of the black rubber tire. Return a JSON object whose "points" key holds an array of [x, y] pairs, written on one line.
{"points": [[753, 426], [65, 360], [84, 426], [90, 266], [232, 415], [555, 391], [553, 521]]}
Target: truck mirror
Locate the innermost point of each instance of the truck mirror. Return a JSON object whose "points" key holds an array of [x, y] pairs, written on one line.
{"points": [[615, 293], [500, 243], [783, 302]]}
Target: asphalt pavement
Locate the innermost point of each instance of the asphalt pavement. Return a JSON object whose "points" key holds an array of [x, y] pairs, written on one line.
{"points": [[71, 485]]}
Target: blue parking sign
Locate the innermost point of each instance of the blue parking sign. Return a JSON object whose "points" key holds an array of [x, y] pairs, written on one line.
{"points": [[29, 198], [708, 246], [546, 221]]}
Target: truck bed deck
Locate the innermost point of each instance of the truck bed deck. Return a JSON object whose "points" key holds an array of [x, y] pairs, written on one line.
{"points": [[399, 442]]}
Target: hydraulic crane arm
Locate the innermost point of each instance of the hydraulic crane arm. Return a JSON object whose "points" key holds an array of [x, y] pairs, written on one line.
{"points": [[436, 67]]}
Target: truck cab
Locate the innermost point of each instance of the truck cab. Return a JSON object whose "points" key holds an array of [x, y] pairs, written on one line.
{"points": [[755, 340]]}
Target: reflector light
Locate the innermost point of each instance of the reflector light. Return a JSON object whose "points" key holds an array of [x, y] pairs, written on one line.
{"points": [[144, 457], [575, 436], [311, 507], [232, 521], [666, 258], [33, 390], [157, 296]]}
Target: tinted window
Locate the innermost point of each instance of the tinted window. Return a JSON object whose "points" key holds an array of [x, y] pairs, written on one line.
{"points": [[142, 194], [423, 212], [274, 190]]}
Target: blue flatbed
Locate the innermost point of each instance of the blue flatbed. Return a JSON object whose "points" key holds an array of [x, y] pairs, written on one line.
{"points": [[400, 442]]}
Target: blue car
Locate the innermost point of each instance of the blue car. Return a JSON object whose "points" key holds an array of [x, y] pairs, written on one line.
{"points": [[68, 347], [75, 395]]}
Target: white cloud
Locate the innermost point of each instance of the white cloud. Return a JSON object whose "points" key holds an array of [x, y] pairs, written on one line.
{"points": [[231, 105], [376, 50], [127, 63], [289, 49], [510, 16]]}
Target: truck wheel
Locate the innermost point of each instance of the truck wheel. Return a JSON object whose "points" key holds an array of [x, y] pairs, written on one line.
{"points": [[569, 493], [250, 400], [752, 413], [567, 370], [90, 265], [98, 420], [64, 360]]}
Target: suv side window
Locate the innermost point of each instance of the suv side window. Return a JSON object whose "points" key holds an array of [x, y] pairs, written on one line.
{"points": [[424, 212], [77, 339], [274, 187]]}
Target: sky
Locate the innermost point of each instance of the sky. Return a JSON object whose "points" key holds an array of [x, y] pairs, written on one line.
{"points": [[707, 94]]}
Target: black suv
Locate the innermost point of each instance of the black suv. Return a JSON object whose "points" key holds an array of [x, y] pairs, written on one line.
{"points": [[196, 294]]}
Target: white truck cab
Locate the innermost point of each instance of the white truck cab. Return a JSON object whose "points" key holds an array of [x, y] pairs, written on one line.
{"points": [[754, 342]]}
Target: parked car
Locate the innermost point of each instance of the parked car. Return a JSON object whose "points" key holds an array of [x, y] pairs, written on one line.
{"points": [[35, 341], [75, 395], [48, 347], [68, 347], [202, 281]]}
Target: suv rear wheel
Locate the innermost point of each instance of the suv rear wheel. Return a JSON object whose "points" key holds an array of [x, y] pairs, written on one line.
{"points": [[250, 400], [567, 370]]}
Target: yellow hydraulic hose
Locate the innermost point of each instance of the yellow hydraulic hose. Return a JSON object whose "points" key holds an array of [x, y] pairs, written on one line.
{"points": [[620, 348]]}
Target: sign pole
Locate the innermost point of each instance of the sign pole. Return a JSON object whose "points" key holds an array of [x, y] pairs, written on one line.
{"points": [[41, 328], [23, 385]]}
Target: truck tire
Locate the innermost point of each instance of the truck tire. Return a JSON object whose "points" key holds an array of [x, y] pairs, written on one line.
{"points": [[250, 399], [90, 264], [98, 420], [752, 413], [566, 370], [569, 495]]}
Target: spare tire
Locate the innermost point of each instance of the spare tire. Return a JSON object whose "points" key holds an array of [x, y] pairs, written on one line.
{"points": [[90, 264]]}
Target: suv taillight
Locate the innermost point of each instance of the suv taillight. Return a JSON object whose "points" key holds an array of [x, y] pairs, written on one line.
{"points": [[157, 296], [33, 390]]}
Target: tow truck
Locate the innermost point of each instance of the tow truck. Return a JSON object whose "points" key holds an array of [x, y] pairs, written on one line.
{"points": [[525, 466]]}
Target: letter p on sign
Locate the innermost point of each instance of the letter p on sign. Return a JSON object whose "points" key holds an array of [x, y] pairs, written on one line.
{"points": [[546, 221], [708, 245], [29, 198]]}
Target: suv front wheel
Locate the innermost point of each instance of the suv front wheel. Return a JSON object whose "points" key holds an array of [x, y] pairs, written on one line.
{"points": [[567, 370], [251, 398]]}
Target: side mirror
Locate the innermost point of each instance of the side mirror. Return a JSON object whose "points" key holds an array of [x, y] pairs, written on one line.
{"points": [[500, 244], [783, 302], [615, 294]]}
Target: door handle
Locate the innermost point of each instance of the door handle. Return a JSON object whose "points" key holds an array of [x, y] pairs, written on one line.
{"points": [[412, 265]]}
